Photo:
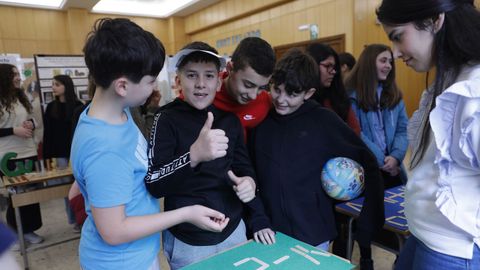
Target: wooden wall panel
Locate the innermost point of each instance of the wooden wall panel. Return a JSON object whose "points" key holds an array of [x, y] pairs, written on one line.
{"points": [[227, 10], [9, 25], [279, 25], [38, 31]]}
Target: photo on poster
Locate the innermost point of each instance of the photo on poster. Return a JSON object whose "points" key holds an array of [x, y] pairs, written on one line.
{"points": [[47, 97]]}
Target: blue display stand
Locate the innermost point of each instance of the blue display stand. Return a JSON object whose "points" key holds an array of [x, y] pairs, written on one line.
{"points": [[395, 220]]}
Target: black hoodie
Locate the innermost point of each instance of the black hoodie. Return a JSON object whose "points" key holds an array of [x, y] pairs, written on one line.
{"points": [[289, 152], [176, 127]]}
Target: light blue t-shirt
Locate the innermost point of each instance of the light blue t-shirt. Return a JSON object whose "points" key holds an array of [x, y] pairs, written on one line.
{"points": [[109, 163]]}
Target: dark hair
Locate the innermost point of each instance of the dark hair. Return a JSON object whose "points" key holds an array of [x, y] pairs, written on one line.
{"points": [[346, 58], [119, 47], [364, 80], [297, 71], [199, 57], [336, 93], [256, 53], [71, 99], [9, 93], [455, 44]]}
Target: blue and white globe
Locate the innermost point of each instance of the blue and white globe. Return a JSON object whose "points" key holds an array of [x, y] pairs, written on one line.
{"points": [[343, 178]]}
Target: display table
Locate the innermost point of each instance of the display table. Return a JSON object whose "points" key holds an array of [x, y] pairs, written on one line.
{"points": [[395, 220], [21, 196], [286, 253]]}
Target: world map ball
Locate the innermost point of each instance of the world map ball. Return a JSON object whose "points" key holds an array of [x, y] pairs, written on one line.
{"points": [[343, 178]]}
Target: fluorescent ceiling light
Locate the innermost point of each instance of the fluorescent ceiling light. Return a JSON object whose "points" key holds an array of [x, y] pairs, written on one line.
{"points": [[150, 8], [56, 4]]}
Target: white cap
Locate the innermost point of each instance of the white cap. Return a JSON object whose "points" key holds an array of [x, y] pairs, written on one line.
{"points": [[178, 58]]}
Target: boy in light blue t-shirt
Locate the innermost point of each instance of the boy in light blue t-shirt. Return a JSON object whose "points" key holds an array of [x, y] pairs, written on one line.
{"points": [[109, 154]]}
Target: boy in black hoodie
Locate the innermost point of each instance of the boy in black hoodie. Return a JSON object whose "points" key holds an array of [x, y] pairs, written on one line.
{"points": [[197, 155], [289, 149]]}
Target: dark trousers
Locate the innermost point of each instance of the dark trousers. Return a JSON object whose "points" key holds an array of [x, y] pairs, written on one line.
{"points": [[339, 246], [30, 214]]}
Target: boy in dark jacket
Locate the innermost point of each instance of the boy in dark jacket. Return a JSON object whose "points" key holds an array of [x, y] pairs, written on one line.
{"points": [[289, 149], [197, 155]]}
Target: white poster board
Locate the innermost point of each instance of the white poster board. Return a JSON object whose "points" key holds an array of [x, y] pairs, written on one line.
{"points": [[48, 66]]}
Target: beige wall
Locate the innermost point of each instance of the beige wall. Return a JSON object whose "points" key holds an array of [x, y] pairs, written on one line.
{"points": [[278, 24], [29, 31], [36, 31]]}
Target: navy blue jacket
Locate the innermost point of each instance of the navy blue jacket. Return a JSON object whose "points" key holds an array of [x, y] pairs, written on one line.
{"points": [[289, 152]]}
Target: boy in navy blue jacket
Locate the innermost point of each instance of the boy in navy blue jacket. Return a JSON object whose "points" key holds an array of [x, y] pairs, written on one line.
{"points": [[289, 149], [197, 155]]}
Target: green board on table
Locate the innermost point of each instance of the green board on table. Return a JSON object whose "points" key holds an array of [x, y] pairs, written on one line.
{"points": [[286, 253]]}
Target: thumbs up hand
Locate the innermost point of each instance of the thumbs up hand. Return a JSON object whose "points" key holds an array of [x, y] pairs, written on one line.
{"points": [[210, 144], [244, 187]]}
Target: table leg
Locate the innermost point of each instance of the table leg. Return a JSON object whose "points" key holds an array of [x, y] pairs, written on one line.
{"points": [[21, 238], [350, 239], [401, 241]]}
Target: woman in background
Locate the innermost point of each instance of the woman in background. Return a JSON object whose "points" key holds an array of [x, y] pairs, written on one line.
{"points": [[442, 202], [331, 92], [57, 138], [16, 136], [378, 105]]}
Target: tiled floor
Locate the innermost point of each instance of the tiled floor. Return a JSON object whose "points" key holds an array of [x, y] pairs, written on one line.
{"points": [[65, 256]]}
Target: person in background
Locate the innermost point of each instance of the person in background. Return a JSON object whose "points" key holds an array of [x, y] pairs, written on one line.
{"points": [[378, 105], [57, 136], [347, 61], [331, 91], [17, 126], [442, 202], [109, 154], [331, 94], [7, 258], [150, 108], [247, 76]]}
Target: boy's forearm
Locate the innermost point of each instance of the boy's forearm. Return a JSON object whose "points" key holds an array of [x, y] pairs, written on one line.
{"points": [[132, 228], [163, 177]]}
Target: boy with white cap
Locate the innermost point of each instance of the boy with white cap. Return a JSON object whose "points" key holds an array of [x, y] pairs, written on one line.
{"points": [[197, 155]]}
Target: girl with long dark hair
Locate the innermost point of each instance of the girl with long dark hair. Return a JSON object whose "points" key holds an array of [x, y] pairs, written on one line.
{"points": [[16, 136], [57, 137], [442, 202], [331, 92], [378, 105]]}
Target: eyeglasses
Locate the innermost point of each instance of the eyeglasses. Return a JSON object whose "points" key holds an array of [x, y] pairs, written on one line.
{"points": [[330, 67]]}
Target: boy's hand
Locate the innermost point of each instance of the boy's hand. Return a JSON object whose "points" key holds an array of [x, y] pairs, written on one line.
{"points": [[206, 218], [244, 187], [210, 144], [265, 236]]}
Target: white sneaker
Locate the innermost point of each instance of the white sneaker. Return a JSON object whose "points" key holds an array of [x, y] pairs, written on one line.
{"points": [[16, 246], [33, 238]]}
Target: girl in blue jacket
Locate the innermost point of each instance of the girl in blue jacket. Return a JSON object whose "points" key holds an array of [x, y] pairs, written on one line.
{"points": [[378, 105]]}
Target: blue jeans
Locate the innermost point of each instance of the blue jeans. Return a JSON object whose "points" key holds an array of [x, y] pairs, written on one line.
{"points": [[180, 254], [415, 255]]}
